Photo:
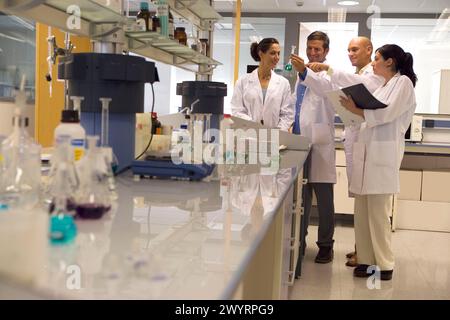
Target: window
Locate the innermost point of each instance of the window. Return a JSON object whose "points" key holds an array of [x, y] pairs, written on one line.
{"points": [[428, 40]]}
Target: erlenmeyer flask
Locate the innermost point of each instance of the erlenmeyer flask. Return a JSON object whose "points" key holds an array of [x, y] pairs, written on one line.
{"points": [[63, 177], [63, 229], [94, 198], [21, 167]]}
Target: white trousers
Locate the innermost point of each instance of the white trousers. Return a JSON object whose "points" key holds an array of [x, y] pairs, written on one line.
{"points": [[373, 230]]}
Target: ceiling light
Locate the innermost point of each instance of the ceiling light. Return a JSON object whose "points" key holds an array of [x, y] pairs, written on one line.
{"points": [[229, 26], [348, 3]]}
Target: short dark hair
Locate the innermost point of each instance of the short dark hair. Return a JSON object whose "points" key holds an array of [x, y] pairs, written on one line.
{"points": [[263, 46], [319, 35], [403, 61]]}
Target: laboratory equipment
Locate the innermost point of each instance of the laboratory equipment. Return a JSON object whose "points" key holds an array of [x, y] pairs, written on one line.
{"points": [[63, 229], [21, 163], [288, 66], [119, 77], [70, 126], [94, 199], [203, 103], [63, 184], [110, 157], [143, 17], [163, 14]]}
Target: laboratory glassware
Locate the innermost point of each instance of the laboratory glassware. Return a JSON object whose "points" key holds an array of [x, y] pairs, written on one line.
{"points": [[21, 165], [94, 196], [63, 178]]}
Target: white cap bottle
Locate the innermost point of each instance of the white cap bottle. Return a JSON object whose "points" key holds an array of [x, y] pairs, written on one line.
{"points": [[70, 126]]}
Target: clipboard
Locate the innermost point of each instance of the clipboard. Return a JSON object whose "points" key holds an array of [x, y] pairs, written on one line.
{"points": [[362, 97]]}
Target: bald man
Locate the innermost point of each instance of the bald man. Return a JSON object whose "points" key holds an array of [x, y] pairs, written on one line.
{"points": [[360, 51]]}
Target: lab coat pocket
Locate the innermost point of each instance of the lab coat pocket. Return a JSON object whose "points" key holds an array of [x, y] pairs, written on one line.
{"points": [[382, 172], [357, 170], [321, 134]]}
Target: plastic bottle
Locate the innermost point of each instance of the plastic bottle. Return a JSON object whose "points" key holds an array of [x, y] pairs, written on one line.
{"points": [[156, 124], [143, 17], [184, 136], [70, 126], [163, 14], [171, 30]]}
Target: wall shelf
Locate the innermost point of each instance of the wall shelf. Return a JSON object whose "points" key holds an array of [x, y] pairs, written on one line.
{"points": [[98, 21], [54, 13], [198, 12], [169, 51]]}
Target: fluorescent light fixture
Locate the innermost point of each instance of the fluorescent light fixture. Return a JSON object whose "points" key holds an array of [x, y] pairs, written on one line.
{"points": [[348, 3], [229, 26]]}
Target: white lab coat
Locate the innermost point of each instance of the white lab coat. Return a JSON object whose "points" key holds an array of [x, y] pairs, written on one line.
{"points": [[277, 111], [378, 153], [317, 123], [345, 79]]}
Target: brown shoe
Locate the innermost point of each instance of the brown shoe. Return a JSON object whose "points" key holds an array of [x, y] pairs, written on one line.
{"points": [[350, 254], [352, 262]]}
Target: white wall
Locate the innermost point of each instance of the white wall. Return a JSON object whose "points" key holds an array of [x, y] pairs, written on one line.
{"points": [[428, 40]]}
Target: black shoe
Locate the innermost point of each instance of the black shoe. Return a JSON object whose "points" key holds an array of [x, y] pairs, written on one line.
{"points": [[386, 274], [361, 271], [325, 255]]}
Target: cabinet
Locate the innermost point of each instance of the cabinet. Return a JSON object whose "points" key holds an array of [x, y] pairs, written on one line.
{"points": [[100, 20], [343, 204], [424, 201]]}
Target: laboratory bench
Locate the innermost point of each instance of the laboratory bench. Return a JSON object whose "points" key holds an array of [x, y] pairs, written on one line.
{"points": [[233, 236]]}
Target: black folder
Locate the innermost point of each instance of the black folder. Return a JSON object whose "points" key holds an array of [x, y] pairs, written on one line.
{"points": [[362, 97]]}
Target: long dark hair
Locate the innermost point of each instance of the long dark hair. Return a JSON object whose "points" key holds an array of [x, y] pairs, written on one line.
{"points": [[403, 61], [263, 46]]}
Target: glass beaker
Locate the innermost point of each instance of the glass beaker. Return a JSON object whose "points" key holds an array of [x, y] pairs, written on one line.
{"points": [[94, 199]]}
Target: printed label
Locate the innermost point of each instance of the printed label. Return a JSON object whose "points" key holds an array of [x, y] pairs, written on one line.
{"points": [[140, 25], [78, 149], [163, 10]]}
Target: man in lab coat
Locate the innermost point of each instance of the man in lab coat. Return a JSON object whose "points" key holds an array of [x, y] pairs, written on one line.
{"points": [[315, 119], [360, 51]]}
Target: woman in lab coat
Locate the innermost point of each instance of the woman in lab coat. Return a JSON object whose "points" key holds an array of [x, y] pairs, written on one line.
{"points": [[263, 96], [377, 155]]}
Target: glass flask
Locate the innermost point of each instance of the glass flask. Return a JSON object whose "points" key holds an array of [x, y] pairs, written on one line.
{"points": [[63, 229], [21, 166], [63, 178], [93, 197], [288, 66]]}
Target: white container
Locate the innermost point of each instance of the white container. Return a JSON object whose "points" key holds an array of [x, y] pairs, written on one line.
{"points": [[70, 126], [23, 245]]}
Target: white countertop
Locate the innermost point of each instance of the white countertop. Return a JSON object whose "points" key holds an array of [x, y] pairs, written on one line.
{"points": [[173, 239]]}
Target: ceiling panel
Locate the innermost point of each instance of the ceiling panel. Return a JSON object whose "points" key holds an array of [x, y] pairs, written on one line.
{"points": [[290, 6]]}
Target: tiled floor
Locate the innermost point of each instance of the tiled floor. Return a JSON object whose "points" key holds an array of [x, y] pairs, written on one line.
{"points": [[422, 269]]}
